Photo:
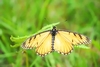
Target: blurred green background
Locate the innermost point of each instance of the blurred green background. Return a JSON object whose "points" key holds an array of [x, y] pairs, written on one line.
{"points": [[21, 18]]}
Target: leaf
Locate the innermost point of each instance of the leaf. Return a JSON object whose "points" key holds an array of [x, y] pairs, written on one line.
{"points": [[83, 46], [18, 40]]}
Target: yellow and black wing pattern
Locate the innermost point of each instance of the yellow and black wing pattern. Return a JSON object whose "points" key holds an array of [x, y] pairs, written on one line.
{"points": [[54, 40]]}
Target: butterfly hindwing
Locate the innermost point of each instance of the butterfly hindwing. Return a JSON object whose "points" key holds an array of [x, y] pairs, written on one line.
{"points": [[45, 46], [62, 45]]}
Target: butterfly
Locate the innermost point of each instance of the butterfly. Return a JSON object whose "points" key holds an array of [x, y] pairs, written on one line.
{"points": [[54, 40]]}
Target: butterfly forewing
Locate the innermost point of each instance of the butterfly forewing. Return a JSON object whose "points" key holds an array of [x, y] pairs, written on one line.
{"points": [[45, 46], [35, 41], [61, 45], [74, 38], [29, 43]]}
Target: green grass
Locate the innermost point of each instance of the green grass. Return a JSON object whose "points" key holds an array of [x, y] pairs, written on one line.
{"points": [[20, 19]]}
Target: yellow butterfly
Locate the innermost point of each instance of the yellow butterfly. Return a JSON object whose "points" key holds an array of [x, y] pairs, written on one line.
{"points": [[54, 40]]}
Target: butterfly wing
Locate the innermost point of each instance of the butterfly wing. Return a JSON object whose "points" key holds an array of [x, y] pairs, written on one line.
{"points": [[35, 41], [64, 41], [61, 45], [45, 46]]}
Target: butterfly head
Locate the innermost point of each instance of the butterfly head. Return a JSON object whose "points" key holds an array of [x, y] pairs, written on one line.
{"points": [[53, 31], [54, 28]]}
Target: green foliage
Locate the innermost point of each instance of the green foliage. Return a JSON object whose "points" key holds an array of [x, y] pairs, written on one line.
{"points": [[21, 19]]}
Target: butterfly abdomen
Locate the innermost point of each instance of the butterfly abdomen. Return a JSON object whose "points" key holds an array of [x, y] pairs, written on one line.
{"points": [[53, 39]]}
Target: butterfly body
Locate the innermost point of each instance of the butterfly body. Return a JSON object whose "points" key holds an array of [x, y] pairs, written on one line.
{"points": [[54, 40], [53, 33]]}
